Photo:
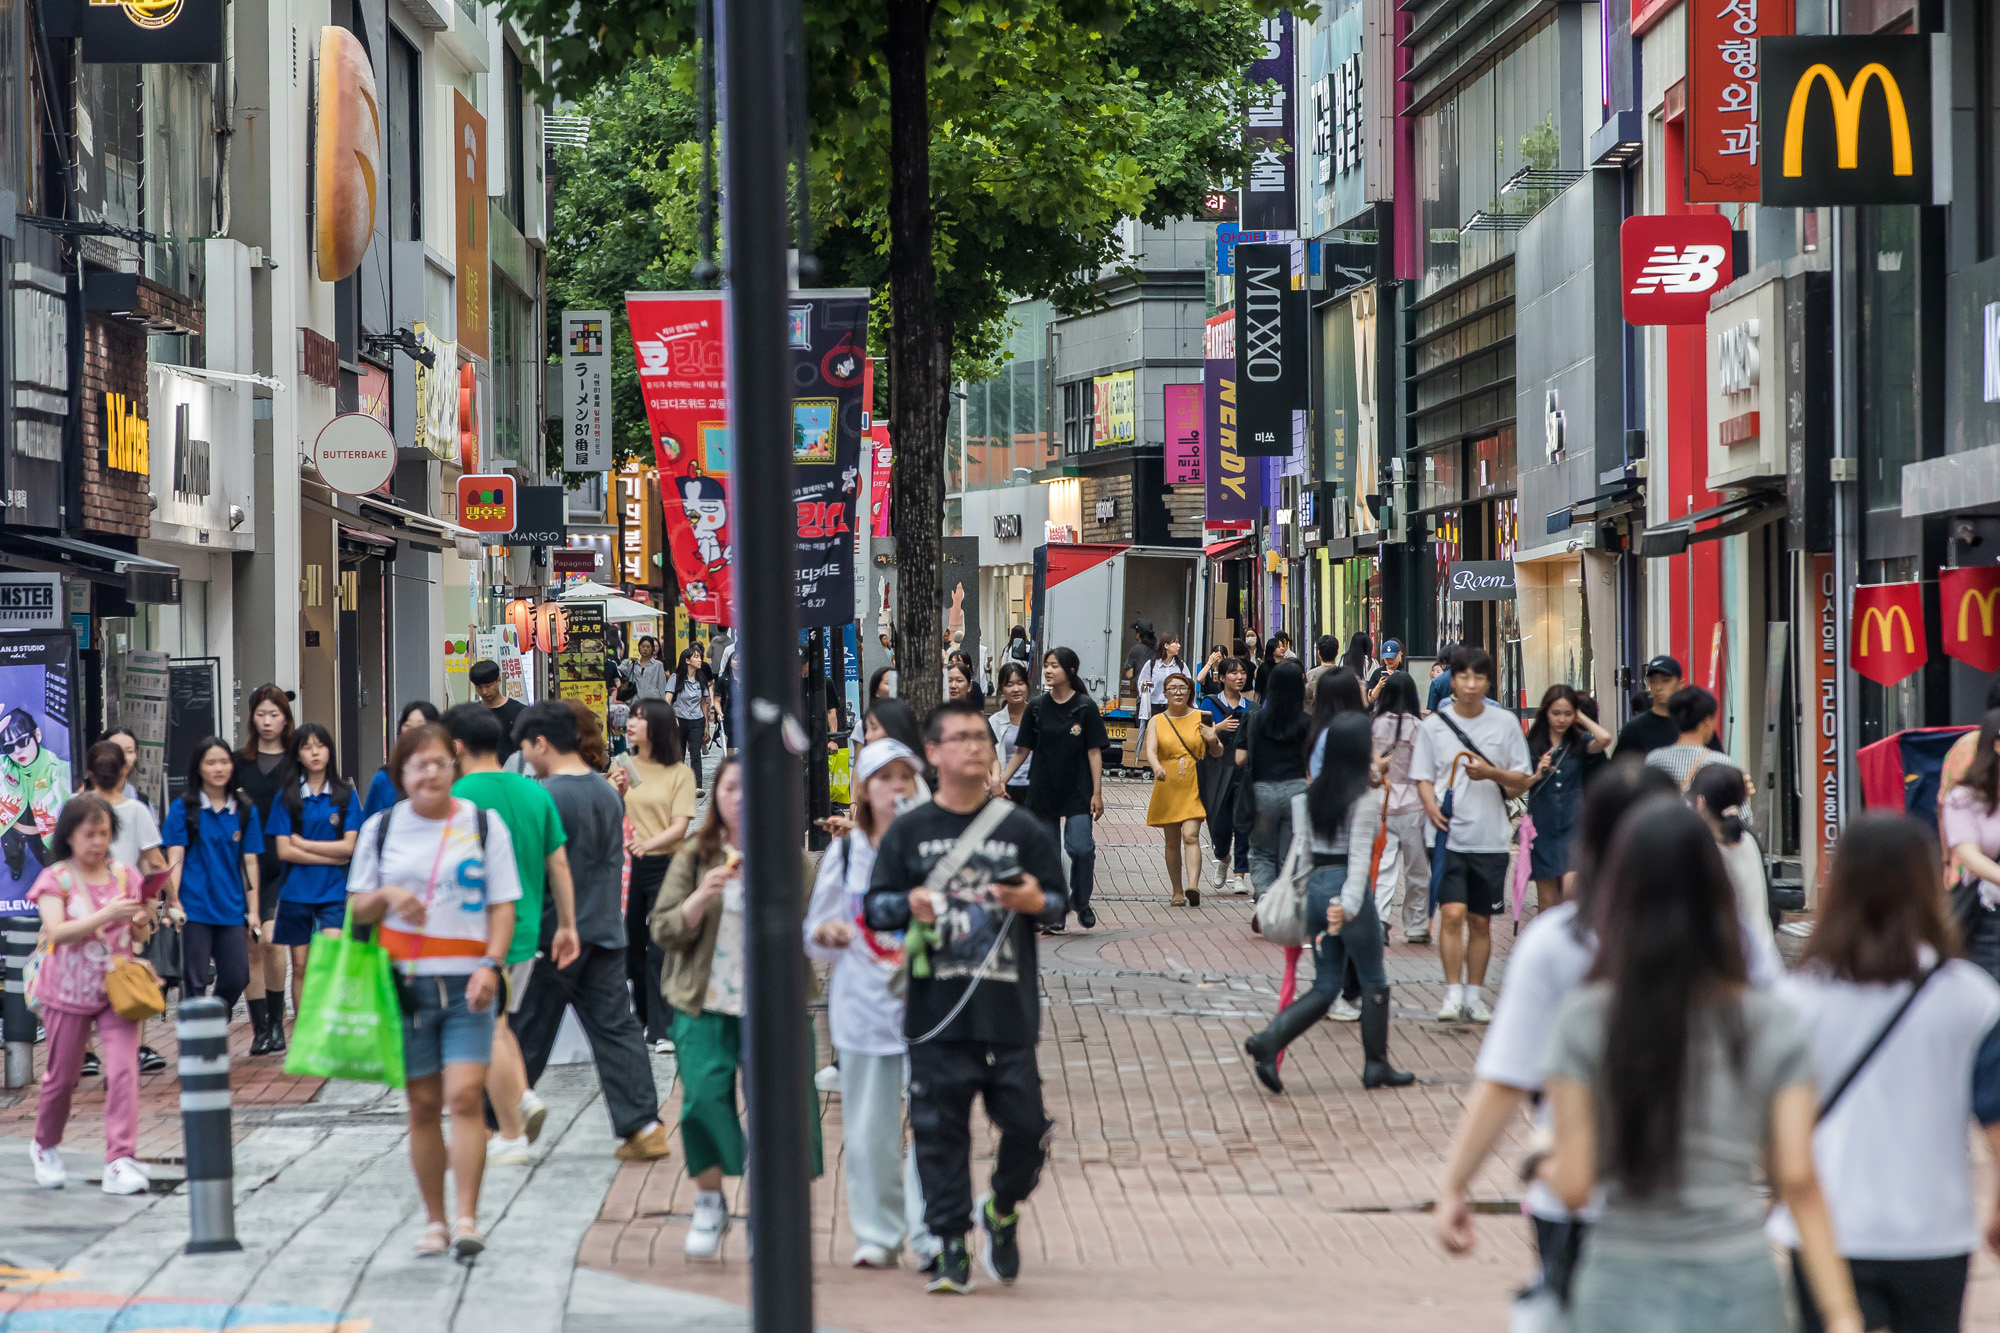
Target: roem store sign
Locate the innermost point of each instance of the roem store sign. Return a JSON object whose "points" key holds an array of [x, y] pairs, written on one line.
{"points": [[1856, 121]]}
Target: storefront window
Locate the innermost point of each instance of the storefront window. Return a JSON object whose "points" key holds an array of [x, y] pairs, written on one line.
{"points": [[1493, 463], [178, 191], [1885, 262], [1549, 613], [516, 425], [1442, 483], [109, 102]]}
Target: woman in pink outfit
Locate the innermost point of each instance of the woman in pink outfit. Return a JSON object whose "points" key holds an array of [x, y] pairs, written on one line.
{"points": [[92, 913]]}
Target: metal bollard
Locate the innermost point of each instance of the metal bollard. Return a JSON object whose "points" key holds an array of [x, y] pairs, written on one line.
{"points": [[17, 1021], [203, 1025]]}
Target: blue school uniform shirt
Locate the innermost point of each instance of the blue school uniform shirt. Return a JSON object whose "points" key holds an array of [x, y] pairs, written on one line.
{"points": [[381, 795], [314, 884], [212, 871]]}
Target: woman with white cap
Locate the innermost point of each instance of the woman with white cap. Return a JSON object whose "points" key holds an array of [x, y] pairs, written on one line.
{"points": [[885, 1204]]}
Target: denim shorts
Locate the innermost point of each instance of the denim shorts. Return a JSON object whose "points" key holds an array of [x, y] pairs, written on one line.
{"points": [[443, 1031], [297, 923]]}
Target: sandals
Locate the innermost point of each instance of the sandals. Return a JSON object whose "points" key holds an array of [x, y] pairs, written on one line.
{"points": [[466, 1242], [434, 1242]]}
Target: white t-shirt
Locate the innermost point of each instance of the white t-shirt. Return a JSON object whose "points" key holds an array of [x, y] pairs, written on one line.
{"points": [[137, 831], [1479, 809], [1892, 1155], [1004, 734], [1547, 964], [860, 1012], [1152, 686], [441, 862]]}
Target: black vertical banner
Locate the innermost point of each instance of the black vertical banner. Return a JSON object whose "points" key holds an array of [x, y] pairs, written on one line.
{"points": [[1270, 191], [1270, 350], [829, 341]]}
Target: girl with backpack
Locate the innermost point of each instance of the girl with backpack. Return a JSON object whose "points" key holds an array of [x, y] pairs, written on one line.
{"points": [[314, 822], [212, 843]]}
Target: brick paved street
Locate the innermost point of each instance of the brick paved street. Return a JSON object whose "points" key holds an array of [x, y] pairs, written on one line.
{"points": [[1179, 1192]]}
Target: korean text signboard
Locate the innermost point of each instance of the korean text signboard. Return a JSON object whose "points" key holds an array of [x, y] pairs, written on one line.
{"points": [[1723, 101], [1183, 418], [1270, 191], [1849, 121], [1232, 484], [677, 338], [586, 390], [468, 194]]}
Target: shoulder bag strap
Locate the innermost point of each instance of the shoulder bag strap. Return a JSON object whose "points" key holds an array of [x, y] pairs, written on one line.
{"points": [[1832, 1099], [1464, 739], [981, 827]]}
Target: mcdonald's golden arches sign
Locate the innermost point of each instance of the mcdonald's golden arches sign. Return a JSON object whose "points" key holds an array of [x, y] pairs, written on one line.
{"points": [[1855, 120], [1888, 641], [1969, 604]]}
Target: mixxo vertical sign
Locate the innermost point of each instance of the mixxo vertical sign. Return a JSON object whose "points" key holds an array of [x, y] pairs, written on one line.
{"points": [[1270, 349], [1270, 191], [586, 392], [1723, 100]]}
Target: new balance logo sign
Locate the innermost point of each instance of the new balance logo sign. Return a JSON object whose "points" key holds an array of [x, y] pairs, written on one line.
{"points": [[1673, 265], [1689, 269]]}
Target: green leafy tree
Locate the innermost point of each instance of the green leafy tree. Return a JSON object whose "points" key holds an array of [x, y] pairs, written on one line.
{"points": [[964, 152]]}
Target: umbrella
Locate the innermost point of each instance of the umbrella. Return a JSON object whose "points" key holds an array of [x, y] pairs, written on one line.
{"points": [[1289, 988], [589, 590], [1522, 866], [617, 610], [1443, 835]]}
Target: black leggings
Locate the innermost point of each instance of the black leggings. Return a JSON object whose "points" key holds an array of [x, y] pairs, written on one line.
{"points": [[694, 735], [643, 958], [229, 946], [1901, 1295]]}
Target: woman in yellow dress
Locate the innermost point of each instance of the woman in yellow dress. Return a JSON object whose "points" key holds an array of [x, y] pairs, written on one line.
{"points": [[1176, 738]]}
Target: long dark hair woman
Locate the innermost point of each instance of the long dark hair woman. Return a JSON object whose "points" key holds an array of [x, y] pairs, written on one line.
{"points": [[658, 787], [1275, 742], [691, 691], [1359, 657], [314, 824], [1344, 810], [263, 769], [1674, 1086], [1339, 691], [211, 841], [1892, 1150], [1969, 816], [1398, 714], [1567, 747]]}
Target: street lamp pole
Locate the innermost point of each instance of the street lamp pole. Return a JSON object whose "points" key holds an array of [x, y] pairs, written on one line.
{"points": [[775, 1073]]}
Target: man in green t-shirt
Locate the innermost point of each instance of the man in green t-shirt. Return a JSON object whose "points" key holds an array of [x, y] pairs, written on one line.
{"points": [[536, 828]]}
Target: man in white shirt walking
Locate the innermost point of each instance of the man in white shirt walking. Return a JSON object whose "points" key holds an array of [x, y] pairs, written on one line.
{"points": [[1477, 752]]}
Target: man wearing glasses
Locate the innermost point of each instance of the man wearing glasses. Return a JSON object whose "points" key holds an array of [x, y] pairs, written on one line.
{"points": [[974, 1011]]}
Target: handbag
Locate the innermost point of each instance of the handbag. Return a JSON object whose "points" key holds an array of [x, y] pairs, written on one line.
{"points": [[133, 991], [1517, 806], [1281, 912], [350, 1024]]}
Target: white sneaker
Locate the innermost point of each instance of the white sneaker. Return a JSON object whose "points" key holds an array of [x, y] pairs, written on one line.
{"points": [[124, 1177], [508, 1152], [1476, 1010], [828, 1079], [711, 1221], [1451, 1011], [49, 1170], [1221, 877], [663, 1047], [873, 1256], [533, 1112], [1343, 1012], [1242, 883]]}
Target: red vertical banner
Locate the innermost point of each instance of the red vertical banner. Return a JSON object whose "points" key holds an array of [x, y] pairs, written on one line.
{"points": [[677, 340], [1724, 98], [1969, 606], [1888, 643]]}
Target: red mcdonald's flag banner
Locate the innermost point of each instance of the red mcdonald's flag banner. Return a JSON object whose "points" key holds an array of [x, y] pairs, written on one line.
{"points": [[1969, 602], [1889, 640]]}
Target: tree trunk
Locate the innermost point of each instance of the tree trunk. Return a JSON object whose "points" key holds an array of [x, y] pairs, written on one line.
{"points": [[919, 363]]}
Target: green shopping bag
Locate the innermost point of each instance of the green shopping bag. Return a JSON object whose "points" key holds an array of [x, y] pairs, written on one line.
{"points": [[349, 1024]]}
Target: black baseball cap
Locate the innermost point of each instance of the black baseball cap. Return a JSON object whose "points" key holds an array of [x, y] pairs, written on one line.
{"points": [[1664, 666], [1143, 626]]}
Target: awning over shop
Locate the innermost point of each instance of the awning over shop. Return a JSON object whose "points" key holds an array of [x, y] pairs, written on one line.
{"points": [[1229, 548], [1730, 518], [138, 577]]}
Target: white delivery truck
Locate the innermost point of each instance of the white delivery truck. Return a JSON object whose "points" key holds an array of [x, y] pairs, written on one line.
{"points": [[1086, 597]]}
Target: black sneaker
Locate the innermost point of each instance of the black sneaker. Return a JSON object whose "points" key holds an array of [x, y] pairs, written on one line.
{"points": [[91, 1067], [1086, 918], [953, 1270], [1002, 1255], [151, 1061]]}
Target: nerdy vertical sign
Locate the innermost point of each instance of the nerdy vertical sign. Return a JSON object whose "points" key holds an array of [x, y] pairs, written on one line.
{"points": [[1232, 483], [1270, 190], [586, 390], [1724, 99]]}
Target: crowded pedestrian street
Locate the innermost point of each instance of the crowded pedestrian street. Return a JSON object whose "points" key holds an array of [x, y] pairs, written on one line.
{"points": [[1178, 1194]]}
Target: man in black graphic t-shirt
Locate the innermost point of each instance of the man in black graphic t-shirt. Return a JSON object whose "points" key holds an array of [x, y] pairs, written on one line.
{"points": [[980, 928]]}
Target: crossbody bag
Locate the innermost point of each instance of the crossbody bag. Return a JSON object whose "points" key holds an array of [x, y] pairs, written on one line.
{"points": [[916, 940], [1517, 806]]}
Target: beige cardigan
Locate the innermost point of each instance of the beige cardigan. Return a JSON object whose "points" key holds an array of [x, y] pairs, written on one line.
{"points": [[690, 945]]}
